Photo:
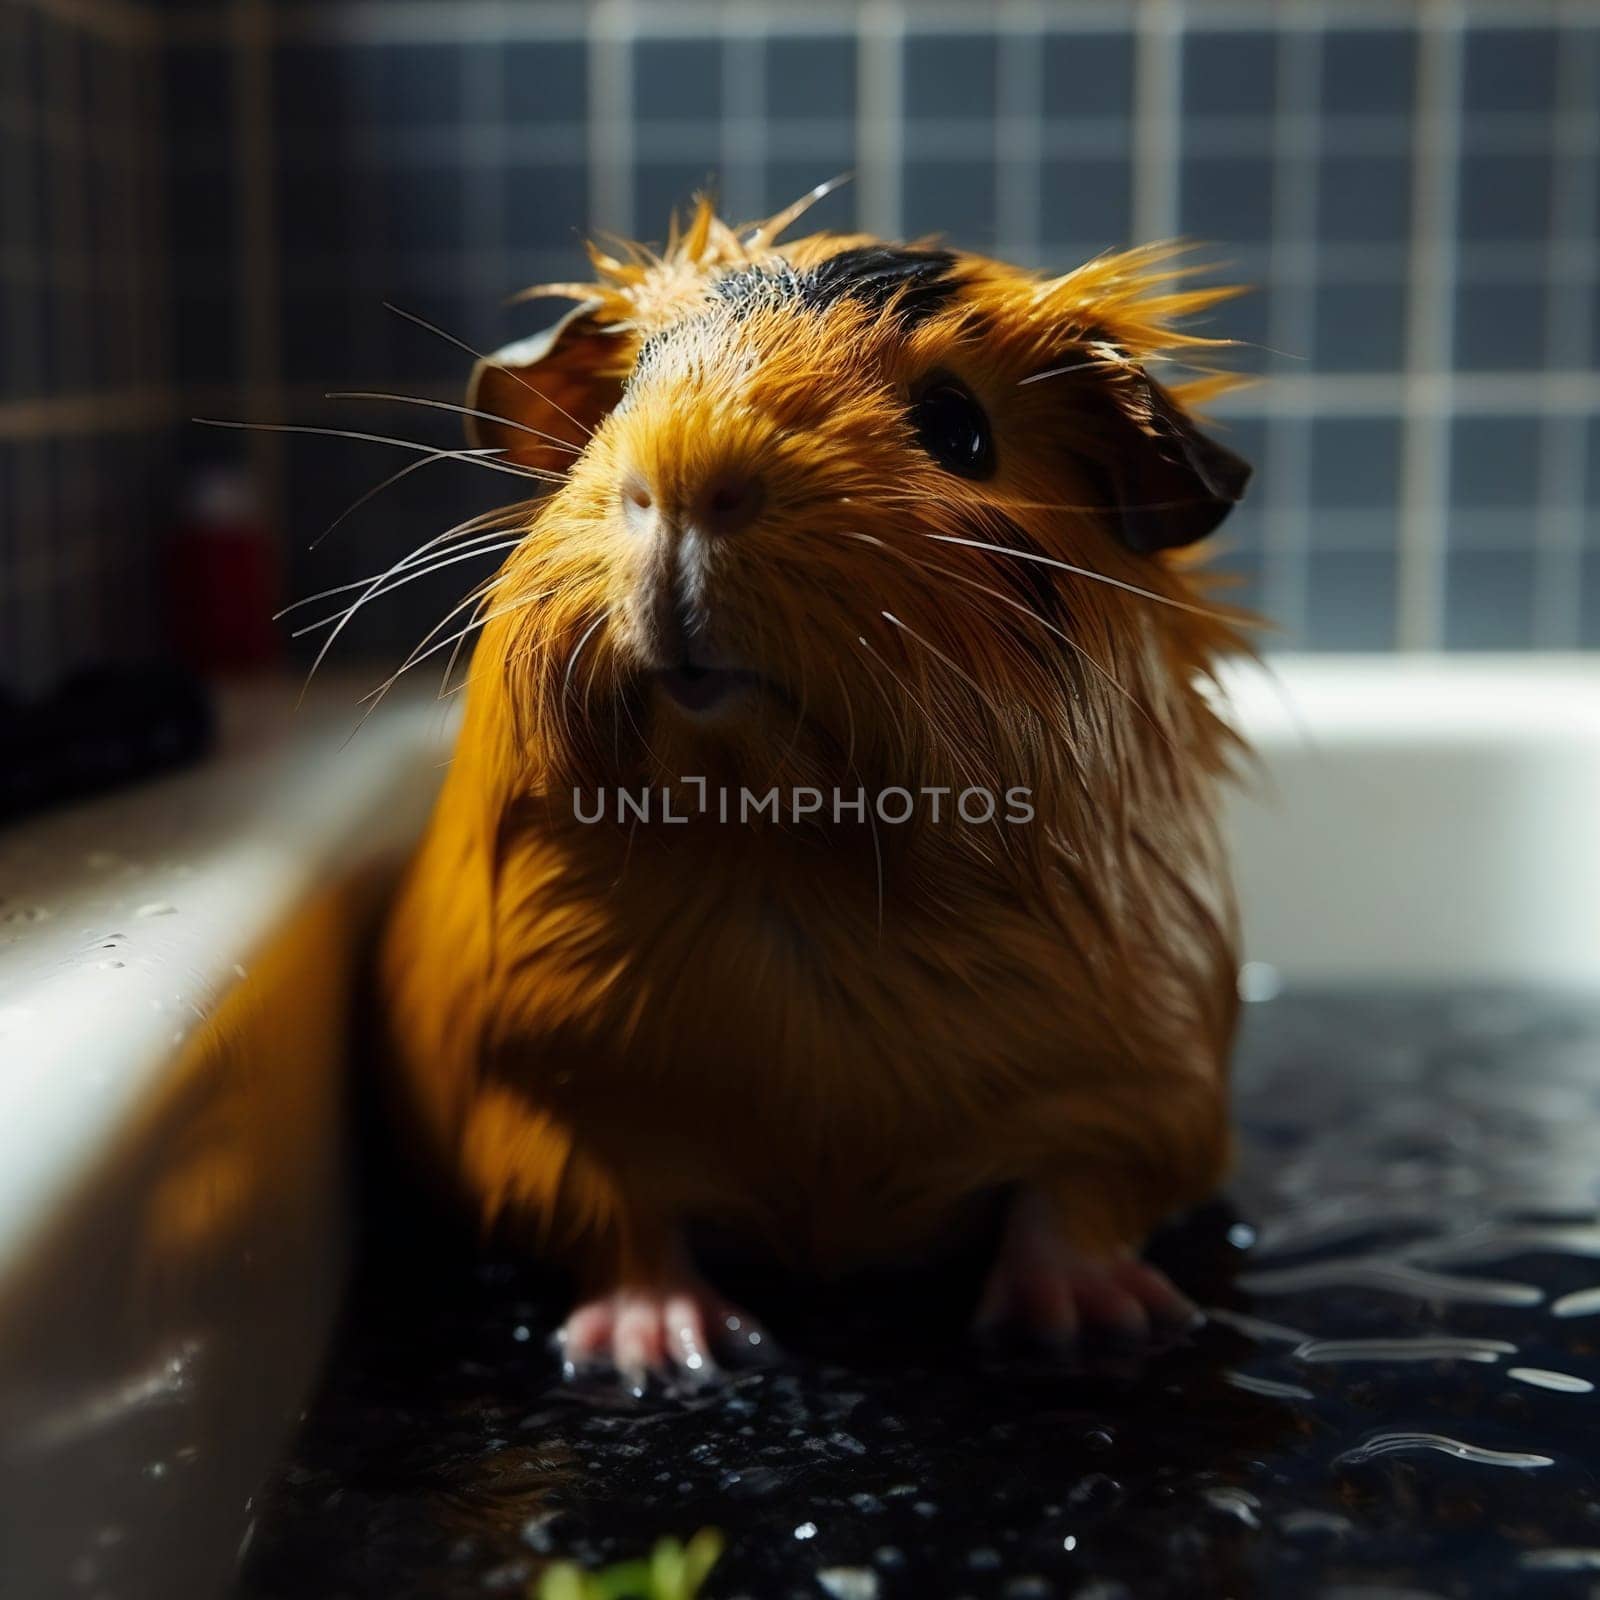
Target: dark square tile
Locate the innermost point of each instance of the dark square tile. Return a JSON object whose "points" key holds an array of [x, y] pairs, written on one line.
{"points": [[1494, 461], [200, 209], [1364, 199], [421, 207], [1086, 203], [951, 198], [1589, 599], [1489, 600], [545, 206], [1369, 70], [1509, 69], [204, 337], [1088, 74], [312, 86], [1500, 327], [1227, 198], [20, 372], [407, 84], [811, 77], [199, 88], [546, 80], [20, 176], [1238, 570], [318, 209], [1350, 600], [677, 80], [950, 75], [1505, 197], [1355, 461], [1359, 327], [15, 89], [1229, 73]]}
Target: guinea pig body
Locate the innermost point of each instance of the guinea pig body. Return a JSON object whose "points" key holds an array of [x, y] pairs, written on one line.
{"points": [[834, 519]]}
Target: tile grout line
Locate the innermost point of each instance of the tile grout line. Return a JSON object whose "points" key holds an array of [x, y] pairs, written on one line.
{"points": [[1569, 327], [1288, 511], [610, 129], [1430, 307], [742, 128], [1019, 93], [259, 329], [880, 117], [1157, 91]]}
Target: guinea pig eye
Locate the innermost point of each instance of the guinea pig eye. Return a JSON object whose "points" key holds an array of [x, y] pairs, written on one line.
{"points": [[952, 427]]}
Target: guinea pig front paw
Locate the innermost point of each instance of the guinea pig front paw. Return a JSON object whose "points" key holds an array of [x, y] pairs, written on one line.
{"points": [[671, 1332], [1043, 1288]]}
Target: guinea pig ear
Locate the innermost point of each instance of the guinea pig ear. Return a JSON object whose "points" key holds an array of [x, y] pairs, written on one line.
{"points": [[537, 401], [1172, 484]]}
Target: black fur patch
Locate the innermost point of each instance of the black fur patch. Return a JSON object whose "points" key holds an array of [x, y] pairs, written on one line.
{"points": [[915, 282]]}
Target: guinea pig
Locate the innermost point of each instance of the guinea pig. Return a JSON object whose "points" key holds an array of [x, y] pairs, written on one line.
{"points": [[885, 527]]}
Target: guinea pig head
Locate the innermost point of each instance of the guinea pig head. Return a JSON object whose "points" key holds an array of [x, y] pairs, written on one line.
{"points": [[840, 507]]}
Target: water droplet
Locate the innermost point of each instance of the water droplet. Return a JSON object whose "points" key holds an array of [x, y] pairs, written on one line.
{"points": [[849, 1583], [1397, 1277], [1580, 1303], [1438, 1347], [1561, 1382], [1237, 1503], [1241, 1236], [239, 971], [157, 908], [1311, 1521], [111, 966], [1070, 1542], [1390, 1444], [806, 1530], [1270, 1387], [1560, 1560]]}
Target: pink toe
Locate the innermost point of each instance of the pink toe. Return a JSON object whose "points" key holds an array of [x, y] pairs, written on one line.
{"points": [[685, 1332], [638, 1342], [587, 1333], [1154, 1291]]}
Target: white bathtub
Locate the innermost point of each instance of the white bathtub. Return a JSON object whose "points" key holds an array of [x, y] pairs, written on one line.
{"points": [[175, 970]]}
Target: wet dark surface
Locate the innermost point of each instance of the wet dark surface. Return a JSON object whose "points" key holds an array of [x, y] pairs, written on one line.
{"points": [[1412, 1169]]}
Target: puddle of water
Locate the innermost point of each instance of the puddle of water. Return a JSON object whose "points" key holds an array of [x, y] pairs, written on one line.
{"points": [[1393, 1393]]}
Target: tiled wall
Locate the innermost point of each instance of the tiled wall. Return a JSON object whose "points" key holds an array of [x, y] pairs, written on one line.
{"points": [[1413, 186], [84, 402]]}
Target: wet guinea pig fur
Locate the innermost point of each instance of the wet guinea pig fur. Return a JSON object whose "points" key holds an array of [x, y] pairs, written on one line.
{"points": [[822, 528]]}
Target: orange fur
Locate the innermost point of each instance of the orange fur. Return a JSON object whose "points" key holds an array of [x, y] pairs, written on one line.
{"points": [[831, 1037]]}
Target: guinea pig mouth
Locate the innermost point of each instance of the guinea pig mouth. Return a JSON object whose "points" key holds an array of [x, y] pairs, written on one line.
{"points": [[702, 689]]}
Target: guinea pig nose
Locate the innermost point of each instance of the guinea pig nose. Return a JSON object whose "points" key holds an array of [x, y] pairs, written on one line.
{"points": [[728, 502]]}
